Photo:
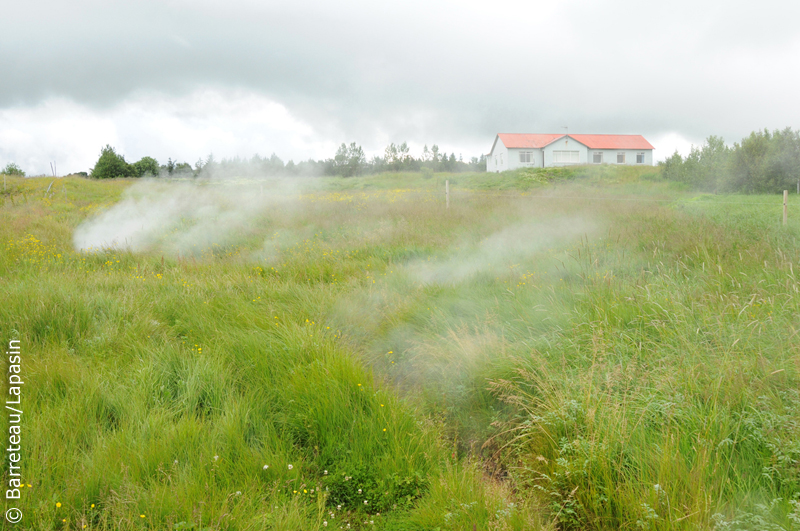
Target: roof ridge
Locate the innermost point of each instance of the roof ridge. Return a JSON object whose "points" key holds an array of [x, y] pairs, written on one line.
{"points": [[590, 140]]}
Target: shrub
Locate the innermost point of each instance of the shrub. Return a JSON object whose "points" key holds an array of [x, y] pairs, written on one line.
{"points": [[13, 169], [764, 162], [146, 166], [111, 165]]}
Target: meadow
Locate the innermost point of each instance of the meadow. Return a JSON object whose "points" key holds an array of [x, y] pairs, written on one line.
{"points": [[590, 348]]}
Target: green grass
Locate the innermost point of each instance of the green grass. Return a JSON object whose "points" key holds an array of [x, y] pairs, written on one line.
{"points": [[560, 349]]}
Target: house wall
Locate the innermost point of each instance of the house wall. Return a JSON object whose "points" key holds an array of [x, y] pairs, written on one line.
{"points": [[565, 144], [513, 158], [498, 159], [610, 156], [502, 158]]}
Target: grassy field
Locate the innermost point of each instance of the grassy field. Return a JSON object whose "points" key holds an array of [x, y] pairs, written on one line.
{"points": [[570, 349]]}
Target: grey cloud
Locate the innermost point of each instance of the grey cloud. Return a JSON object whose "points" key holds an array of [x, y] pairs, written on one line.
{"points": [[428, 71]]}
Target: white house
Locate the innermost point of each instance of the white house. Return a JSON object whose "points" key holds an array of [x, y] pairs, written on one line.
{"points": [[517, 150]]}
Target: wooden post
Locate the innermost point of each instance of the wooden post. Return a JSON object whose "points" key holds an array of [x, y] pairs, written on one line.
{"points": [[447, 192], [785, 199]]}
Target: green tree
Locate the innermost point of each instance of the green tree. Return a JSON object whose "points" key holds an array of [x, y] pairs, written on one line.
{"points": [[111, 165], [349, 160], [183, 168], [748, 164], [275, 165], [146, 166], [435, 153], [402, 152], [715, 157], [672, 168], [391, 157], [705, 168], [13, 169]]}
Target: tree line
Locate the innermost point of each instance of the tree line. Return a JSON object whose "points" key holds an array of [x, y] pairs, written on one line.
{"points": [[349, 160], [764, 162]]}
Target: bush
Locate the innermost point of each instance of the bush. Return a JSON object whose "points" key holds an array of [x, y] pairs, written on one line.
{"points": [[762, 163], [13, 169], [146, 166], [111, 165], [765, 162]]}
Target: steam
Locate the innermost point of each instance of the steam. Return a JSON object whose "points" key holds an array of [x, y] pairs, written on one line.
{"points": [[186, 217], [512, 245]]}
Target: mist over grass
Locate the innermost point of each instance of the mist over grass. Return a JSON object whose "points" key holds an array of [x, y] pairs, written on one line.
{"points": [[500, 250], [188, 217], [606, 352]]}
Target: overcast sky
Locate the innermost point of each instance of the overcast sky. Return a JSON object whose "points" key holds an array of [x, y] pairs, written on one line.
{"points": [[181, 79]]}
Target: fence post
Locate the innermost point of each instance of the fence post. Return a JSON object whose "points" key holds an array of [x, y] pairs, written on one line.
{"points": [[785, 199], [447, 192]]}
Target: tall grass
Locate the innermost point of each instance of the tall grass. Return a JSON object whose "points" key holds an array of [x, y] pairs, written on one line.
{"points": [[605, 353]]}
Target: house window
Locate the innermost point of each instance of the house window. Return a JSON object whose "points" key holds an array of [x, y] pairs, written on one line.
{"points": [[566, 157], [621, 158], [501, 159], [526, 157], [495, 160], [597, 157], [640, 158]]}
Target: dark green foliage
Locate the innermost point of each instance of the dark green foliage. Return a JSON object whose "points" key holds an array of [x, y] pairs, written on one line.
{"points": [[764, 162], [362, 483], [111, 165], [147, 166], [705, 168], [13, 169]]}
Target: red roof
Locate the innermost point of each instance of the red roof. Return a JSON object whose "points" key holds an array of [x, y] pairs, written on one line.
{"points": [[521, 140], [613, 141], [525, 140]]}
